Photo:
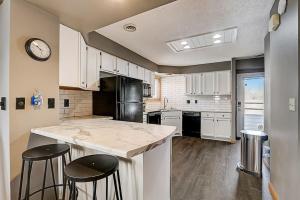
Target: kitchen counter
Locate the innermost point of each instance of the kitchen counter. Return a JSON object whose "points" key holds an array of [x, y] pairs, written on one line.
{"points": [[123, 139], [86, 117], [144, 152], [187, 110]]}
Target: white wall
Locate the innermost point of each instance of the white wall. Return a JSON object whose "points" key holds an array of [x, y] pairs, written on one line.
{"points": [[81, 103], [173, 87], [4, 92]]}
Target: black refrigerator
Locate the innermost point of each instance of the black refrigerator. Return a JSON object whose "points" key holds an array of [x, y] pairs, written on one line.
{"points": [[120, 97]]}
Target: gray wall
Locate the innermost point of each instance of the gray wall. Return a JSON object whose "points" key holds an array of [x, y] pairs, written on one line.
{"points": [[98, 41], [250, 65], [195, 68], [284, 124]]}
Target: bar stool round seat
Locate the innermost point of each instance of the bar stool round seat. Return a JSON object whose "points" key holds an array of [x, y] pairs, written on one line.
{"points": [[91, 169], [45, 152]]}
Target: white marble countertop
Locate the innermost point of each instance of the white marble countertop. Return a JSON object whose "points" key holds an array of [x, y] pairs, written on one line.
{"points": [[189, 110], [123, 139]]}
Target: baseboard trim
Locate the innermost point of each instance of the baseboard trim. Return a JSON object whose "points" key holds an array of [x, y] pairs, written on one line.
{"points": [[273, 192]]}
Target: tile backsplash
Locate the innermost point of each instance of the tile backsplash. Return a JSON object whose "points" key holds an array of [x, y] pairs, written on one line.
{"points": [[173, 88], [75, 103]]}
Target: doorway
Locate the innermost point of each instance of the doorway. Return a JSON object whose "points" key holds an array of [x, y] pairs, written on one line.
{"points": [[250, 102]]}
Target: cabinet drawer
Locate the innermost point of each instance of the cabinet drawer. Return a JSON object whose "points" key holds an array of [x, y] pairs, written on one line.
{"points": [[223, 115], [207, 114]]}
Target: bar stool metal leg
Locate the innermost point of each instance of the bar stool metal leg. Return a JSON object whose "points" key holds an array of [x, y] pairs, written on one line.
{"points": [[53, 179], [116, 188], [63, 164], [74, 191], [106, 187], [95, 190], [28, 180], [21, 180], [44, 180], [119, 183]]}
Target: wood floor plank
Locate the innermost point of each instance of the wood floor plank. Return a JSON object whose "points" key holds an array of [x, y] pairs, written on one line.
{"points": [[206, 170]]}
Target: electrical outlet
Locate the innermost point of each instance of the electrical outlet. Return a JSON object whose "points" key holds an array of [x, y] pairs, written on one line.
{"points": [[51, 103], [292, 104], [3, 103], [66, 103], [20, 103]]}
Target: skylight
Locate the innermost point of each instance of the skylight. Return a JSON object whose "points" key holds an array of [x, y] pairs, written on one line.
{"points": [[216, 38]]}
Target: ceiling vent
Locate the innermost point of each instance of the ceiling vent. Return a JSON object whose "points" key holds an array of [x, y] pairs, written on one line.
{"points": [[129, 27], [216, 38]]}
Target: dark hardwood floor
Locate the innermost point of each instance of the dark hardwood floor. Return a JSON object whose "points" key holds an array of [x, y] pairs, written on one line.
{"points": [[206, 170]]}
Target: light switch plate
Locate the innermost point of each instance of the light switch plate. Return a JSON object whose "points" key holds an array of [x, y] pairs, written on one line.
{"points": [[292, 104]]}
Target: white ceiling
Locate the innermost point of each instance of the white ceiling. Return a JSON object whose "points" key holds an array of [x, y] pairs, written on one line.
{"points": [[185, 18]]}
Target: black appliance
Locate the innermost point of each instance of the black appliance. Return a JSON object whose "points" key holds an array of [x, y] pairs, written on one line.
{"points": [[120, 97], [191, 124], [146, 90], [154, 117]]}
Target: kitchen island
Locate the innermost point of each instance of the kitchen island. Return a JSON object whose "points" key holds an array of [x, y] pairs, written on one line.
{"points": [[144, 151]]}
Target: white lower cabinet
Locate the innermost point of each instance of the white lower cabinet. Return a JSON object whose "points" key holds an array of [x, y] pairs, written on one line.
{"points": [[216, 126], [207, 127], [172, 118]]}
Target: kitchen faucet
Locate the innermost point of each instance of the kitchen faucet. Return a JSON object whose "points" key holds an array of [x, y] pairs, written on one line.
{"points": [[165, 102]]}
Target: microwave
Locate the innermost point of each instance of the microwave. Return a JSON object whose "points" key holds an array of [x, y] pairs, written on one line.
{"points": [[146, 90]]}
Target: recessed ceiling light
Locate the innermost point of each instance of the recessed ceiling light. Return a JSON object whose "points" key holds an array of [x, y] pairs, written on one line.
{"points": [[184, 43], [129, 27], [204, 40], [216, 36]]}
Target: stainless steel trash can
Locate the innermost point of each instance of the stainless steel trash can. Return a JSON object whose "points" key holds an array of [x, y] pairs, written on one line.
{"points": [[251, 151]]}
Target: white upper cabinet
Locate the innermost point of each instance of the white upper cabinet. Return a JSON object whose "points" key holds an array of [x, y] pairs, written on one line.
{"points": [[152, 84], [69, 57], [141, 73], [147, 76], [208, 83], [189, 84], [133, 71], [197, 84], [83, 62], [223, 82], [93, 69], [108, 63], [122, 67]]}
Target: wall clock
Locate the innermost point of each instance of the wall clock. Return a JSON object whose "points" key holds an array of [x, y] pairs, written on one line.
{"points": [[38, 49]]}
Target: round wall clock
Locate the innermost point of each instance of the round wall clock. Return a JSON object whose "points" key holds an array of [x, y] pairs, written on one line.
{"points": [[38, 49]]}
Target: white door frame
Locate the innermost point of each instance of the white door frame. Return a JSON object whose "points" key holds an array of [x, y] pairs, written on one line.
{"points": [[240, 98]]}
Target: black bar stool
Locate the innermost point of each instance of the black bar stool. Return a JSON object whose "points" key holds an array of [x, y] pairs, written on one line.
{"points": [[43, 153], [91, 169]]}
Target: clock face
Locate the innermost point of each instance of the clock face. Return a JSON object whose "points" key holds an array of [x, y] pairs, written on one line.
{"points": [[38, 49]]}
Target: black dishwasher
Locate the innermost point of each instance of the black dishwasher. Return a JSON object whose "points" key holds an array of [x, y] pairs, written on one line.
{"points": [[154, 117], [191, 124]]}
